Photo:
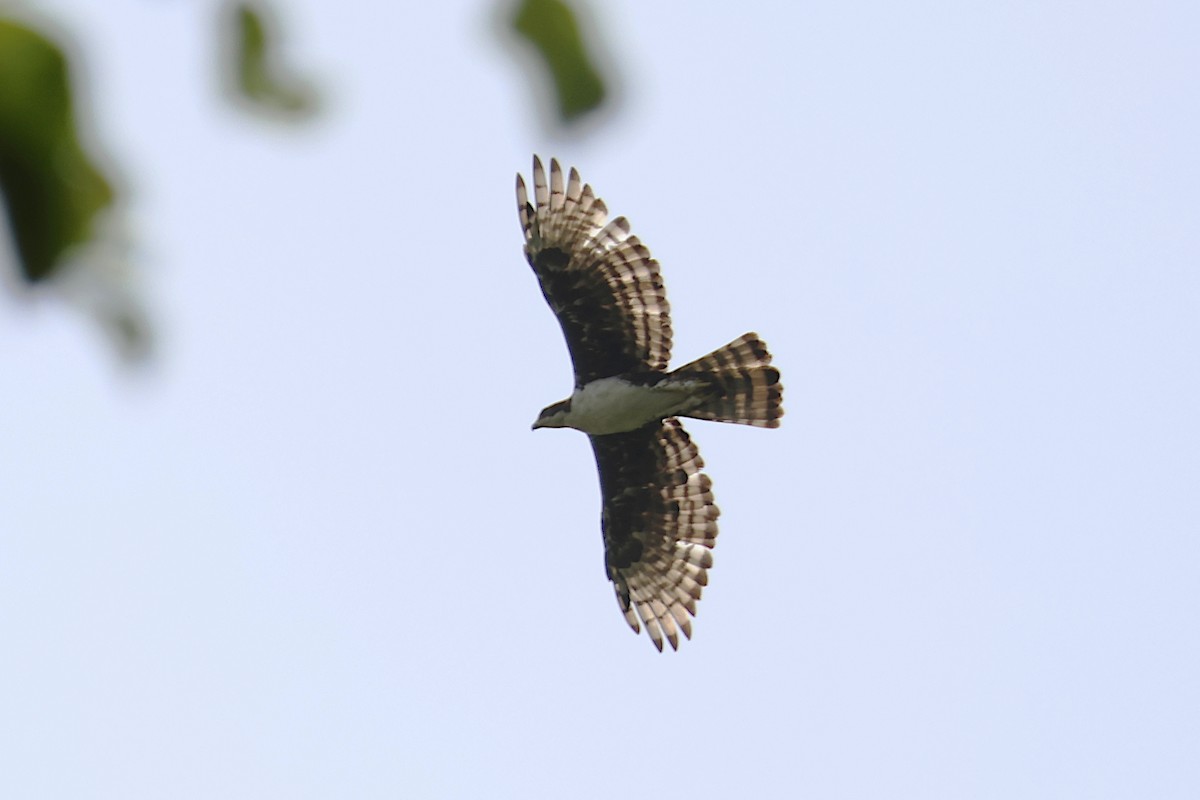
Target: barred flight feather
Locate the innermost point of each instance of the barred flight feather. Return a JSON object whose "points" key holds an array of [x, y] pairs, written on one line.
{"points": [[746, 387], [659, 524], [600, 281]]}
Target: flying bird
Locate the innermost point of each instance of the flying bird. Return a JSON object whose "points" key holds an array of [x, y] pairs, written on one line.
{"points": [[658, 519]]}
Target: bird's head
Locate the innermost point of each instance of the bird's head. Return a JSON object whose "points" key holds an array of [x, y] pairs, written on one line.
{"points": [[554, 415]]}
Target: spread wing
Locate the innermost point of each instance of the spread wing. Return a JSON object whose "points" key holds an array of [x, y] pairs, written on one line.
{"points": [[599, 280], [659, 523]]}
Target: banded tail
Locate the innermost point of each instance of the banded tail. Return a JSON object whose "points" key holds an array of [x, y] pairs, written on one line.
{"points": [[746, 387]]}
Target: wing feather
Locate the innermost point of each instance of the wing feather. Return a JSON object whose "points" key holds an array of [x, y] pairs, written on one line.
{"points": [[599, 280], [660, 525]]}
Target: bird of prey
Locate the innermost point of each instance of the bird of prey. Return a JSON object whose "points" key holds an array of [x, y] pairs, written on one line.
{"points": [[658, 519]]}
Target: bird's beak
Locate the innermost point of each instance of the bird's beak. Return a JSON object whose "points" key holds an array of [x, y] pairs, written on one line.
{"points": [[536, 424]]}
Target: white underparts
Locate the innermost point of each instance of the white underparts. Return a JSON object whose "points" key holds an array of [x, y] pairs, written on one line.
{"points": [[614, 405]]}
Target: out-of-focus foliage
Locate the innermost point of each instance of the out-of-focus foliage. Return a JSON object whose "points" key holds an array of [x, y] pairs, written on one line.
{"points": [[52, 191], [258, 77], [551, 27]]}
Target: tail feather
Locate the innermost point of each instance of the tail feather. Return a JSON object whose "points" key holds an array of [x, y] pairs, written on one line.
{"points": [[745, 387]]}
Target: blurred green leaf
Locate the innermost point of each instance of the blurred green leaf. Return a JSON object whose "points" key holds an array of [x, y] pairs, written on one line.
{"points": [[259, 77], [551, 27], [52, 192]]}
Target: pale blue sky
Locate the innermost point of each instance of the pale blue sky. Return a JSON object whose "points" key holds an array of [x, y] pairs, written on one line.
{"points": [[316, 552]]}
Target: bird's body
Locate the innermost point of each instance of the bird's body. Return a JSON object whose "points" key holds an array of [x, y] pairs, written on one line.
{"points": [[622, 403], [658, 517]]}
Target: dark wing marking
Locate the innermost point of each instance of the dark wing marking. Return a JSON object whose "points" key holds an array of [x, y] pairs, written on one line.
{"points": [[660, 524], [599, 280]]}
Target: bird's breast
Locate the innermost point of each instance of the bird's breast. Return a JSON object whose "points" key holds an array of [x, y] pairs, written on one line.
{"points": [[616, 405]]}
